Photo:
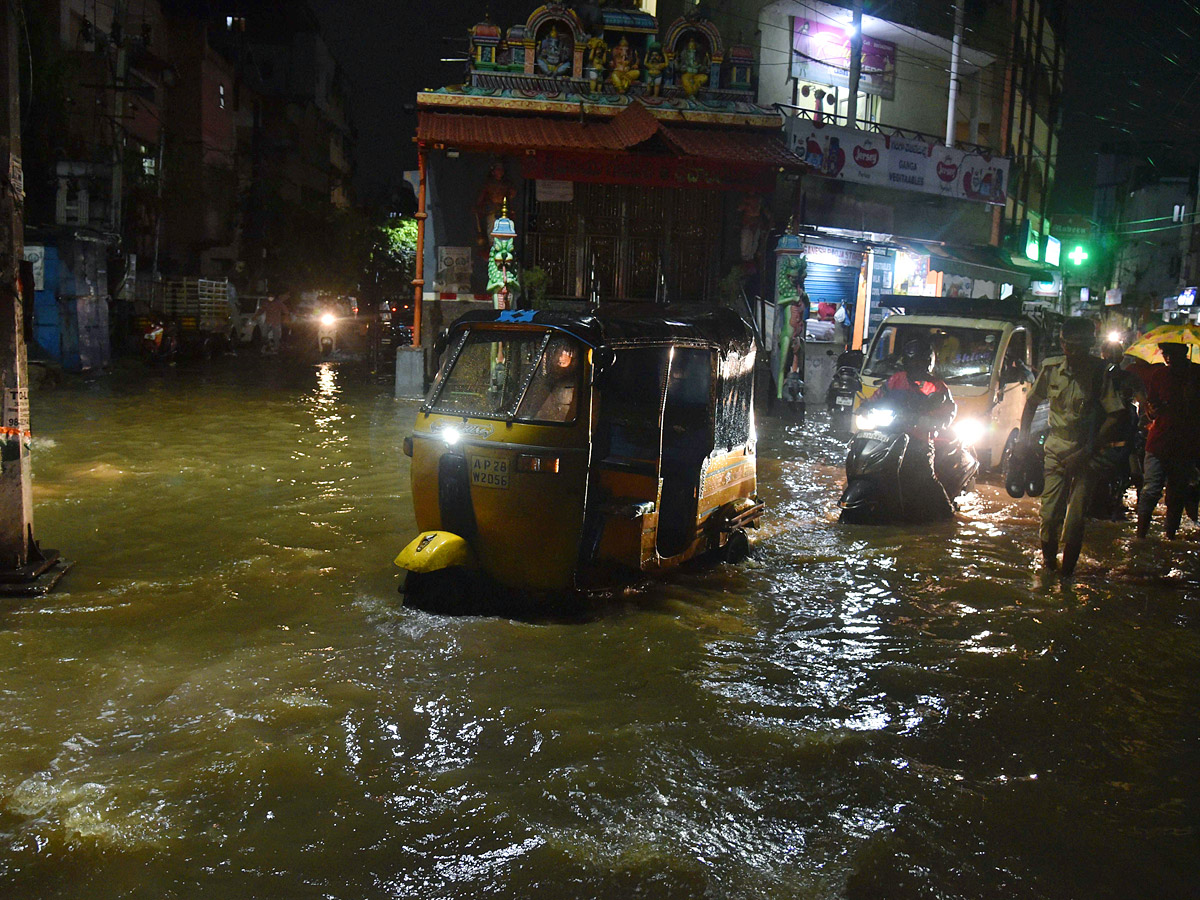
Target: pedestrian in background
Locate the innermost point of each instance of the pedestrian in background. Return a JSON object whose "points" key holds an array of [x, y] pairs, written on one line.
{"points": [[1085, 411], [274, 312], [1171, 394]]}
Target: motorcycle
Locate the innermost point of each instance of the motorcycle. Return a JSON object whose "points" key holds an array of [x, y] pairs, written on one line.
{"points": [[326, 332], [160, 340], [845, 385], [875, 492]]}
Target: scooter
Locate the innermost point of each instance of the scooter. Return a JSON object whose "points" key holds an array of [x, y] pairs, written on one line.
{"points": [[160, 341], [845, 385], [326, 332], [875, 493]]}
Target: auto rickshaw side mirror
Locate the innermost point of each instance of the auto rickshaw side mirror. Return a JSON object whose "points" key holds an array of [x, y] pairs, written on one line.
{"points": [[441, 341], [602, 360]]}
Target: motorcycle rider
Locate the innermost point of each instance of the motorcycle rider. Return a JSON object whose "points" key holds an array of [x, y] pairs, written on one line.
{"points": [[925, 396]]}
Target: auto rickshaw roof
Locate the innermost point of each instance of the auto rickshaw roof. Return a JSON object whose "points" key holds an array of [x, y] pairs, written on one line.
{"points": [[720, 327]]}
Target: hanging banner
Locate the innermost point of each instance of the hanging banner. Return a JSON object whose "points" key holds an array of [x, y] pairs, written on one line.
{"points": [[907, 164], [821, 55]]}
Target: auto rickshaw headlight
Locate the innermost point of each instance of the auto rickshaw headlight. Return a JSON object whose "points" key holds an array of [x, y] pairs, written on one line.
{"points": [[328, 319], [451, 436], [529, 463]]}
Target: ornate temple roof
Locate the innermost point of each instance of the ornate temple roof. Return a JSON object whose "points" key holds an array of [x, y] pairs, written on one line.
{"points": [[634, 127]]}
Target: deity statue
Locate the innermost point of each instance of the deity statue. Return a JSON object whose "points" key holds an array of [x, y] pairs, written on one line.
{"points": [[754, 225], [597, 61], [624, 66], [693, 67], [553, 56], [791, 304], [490, 202], [502, 262], [656, 66]]}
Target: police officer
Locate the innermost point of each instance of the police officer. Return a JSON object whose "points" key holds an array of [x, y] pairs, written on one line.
{"points": [[1085, 411]]}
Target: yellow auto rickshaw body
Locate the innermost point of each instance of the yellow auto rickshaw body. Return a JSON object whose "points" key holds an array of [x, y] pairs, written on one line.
{"points": [[639, 457]]}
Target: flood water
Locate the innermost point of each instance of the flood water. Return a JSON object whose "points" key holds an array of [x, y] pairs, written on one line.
{"points": [[226, 698]]}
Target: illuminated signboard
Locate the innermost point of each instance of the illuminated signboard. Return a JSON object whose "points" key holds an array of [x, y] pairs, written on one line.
{"points": [[1187, 297], [1053, 250], [1033, 245]]}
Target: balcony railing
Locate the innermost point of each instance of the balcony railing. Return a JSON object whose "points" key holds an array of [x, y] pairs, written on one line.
{"points": [[881, 128]]}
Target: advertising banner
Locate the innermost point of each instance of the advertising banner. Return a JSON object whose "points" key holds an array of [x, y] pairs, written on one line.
{"points": [[908, 164], [821, 54]]}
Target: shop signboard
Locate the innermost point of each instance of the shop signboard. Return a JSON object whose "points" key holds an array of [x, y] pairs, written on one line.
{"points": [[453, 270], [907, 164], [35, 254], [821, 55]]}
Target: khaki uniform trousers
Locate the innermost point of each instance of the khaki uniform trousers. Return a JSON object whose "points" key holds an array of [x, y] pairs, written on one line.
{"points": [[1065, 499]]}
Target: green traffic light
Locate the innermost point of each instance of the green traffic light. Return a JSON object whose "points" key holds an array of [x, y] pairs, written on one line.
{"points": [[1078, 255]]}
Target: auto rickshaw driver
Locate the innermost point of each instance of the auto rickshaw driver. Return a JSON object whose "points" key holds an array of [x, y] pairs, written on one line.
{"points": [[553, 396]]}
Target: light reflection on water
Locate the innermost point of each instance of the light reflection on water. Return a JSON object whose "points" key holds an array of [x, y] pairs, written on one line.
{"points": [[226, 691]]}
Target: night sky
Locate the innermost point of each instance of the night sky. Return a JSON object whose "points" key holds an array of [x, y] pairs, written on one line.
{"points": [[391, 49], [1132, 74]]}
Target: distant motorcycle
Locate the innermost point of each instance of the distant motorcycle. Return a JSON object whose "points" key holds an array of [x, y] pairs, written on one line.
{"points": [[875, 492], [160, 340], [845, 385], [327, 324]]}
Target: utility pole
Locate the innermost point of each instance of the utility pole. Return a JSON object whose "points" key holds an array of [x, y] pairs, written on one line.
{"points": [[120, 74], [955, 54], [856, 43], [24, 568]]}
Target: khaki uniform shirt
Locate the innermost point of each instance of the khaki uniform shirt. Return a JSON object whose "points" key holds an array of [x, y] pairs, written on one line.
{"points": [[1068, 393]]}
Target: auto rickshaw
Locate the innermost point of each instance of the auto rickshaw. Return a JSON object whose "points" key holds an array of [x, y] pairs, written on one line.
{"points": [[558, 452]]}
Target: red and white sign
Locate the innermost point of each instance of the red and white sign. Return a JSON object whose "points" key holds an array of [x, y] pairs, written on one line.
{"points": [[907, 164]]}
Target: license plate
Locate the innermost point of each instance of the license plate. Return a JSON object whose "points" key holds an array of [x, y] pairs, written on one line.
{"points": [[489, 473], [873, 436], [844, 401]]}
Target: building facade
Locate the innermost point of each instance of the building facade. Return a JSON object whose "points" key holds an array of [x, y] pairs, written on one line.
{"points": [[933, 176]]}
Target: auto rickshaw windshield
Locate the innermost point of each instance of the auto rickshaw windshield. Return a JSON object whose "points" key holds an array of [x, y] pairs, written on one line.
{"points": [[528, 376], [963, 356]]}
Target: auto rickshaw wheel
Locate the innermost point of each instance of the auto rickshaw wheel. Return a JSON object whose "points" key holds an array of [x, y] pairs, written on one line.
{"points": [[737, 547], [451, 591]]}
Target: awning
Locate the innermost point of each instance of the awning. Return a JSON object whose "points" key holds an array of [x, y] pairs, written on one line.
{"points": [[632, 128], [983, 262]]}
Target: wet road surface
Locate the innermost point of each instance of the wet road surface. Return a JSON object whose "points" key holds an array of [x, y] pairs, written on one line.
{"points": [[225, 697]]}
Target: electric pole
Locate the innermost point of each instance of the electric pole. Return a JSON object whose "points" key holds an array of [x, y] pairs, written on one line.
{"points": [[120, 74], [856, 43], [24, 568]]}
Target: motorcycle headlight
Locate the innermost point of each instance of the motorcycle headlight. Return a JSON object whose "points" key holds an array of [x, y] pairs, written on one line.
{"points": [[876, 417], [328, 319], [969, 431]]}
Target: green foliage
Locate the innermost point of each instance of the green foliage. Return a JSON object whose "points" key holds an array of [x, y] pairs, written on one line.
{"points": [[397, 243], [729, 287], [537, 281], [391, 265]]}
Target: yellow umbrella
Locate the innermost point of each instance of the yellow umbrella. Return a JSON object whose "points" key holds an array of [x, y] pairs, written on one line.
{"points": [[1147, 346]]}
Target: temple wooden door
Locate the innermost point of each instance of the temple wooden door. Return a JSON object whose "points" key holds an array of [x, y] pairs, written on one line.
{"points": [[626, 242]]}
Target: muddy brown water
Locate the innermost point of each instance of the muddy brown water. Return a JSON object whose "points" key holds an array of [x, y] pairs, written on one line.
{"points": [[225, 697]]}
